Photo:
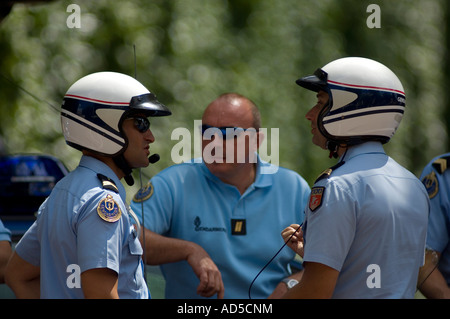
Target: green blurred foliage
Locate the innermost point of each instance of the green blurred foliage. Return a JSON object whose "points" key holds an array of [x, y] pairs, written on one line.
{"points": [[190, 51]]}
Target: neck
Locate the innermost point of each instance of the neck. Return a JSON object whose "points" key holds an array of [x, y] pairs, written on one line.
{"points": [[242, 179], [341, 150], [336, 150], [108, 161]]}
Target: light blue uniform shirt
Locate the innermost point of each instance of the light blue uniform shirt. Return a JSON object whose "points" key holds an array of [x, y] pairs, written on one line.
{"points": [[368, 220], [437, 180], [190, 203], [5, 233], [69, 231]]}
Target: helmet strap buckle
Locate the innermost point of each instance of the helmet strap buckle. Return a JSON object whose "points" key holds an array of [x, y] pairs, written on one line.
{"points": [[333, 148], [126, 169]]}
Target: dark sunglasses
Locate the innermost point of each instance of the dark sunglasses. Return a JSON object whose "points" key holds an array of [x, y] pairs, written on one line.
{"points": [[142, 124], [227, 132]]}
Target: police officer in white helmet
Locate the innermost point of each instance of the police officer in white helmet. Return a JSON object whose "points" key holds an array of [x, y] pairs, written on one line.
{"points": [[83, 243], [364, 230]]}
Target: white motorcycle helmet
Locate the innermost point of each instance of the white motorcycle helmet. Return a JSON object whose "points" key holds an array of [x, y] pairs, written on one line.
{"points": [[94, 108], [366, 101]]}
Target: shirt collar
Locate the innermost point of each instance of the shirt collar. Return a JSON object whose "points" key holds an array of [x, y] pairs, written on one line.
{"points": [[261, 179], [368, 147], [99, 167]]}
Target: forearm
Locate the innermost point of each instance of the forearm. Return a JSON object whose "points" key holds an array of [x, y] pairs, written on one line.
{"points": [[100, 283], [27, 289], [431, 282], [162, 250], [5, 254], [435, 286], [317, 282], [282, 287], [23, 278]]}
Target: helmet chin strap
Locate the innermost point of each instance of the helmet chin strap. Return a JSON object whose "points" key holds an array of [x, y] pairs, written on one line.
{"points": [[333, 148], [126, 169]]}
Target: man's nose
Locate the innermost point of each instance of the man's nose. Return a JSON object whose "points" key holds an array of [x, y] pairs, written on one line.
{"points": [[149, 136]]}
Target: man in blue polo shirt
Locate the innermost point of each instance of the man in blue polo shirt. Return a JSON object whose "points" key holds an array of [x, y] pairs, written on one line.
{"points": [[212, 224]]}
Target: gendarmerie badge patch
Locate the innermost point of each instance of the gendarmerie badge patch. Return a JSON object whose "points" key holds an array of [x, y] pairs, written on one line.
{"points": [[144, 193], [109, 210], [315, 199], [431, 184]]}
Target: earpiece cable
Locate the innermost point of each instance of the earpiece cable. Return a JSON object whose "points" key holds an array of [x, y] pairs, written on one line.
{"points": [[265, 266]]}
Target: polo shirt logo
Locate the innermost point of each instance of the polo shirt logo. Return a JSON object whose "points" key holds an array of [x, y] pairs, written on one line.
{"points": [[198, 222]]}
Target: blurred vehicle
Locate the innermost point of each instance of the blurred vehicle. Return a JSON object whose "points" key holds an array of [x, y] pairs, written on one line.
{"points": [[25, 182]]}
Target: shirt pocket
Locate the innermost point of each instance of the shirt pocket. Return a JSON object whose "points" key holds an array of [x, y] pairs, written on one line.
{"points": [[134, 245], [134, 267]]}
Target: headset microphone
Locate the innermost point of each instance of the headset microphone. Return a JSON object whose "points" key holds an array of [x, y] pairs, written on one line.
{"points": [[154, 158]]}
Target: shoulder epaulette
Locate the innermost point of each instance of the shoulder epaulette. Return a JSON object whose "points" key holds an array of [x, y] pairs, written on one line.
{"points": [[441, 164], [107, 183], [326, 173]]}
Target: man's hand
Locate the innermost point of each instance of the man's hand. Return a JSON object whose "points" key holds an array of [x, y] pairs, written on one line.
{"points": [[161, 250], [206, 270], [296, 242]]}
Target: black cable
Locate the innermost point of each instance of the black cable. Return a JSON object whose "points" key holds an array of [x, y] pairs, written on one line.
{"points": [[436, 262], [265, 266], [54, 108], [144, 255]]}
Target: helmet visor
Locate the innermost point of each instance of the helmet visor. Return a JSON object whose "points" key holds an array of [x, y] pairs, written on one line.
{"points": [[316, 82], [149, 104]]}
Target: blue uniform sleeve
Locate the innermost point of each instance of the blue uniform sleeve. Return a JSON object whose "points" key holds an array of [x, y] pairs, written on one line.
{"points": [[305, 198], [99, 242], [157, 208], [437, 188], [29, 247], [330, 227], [5, 233]]}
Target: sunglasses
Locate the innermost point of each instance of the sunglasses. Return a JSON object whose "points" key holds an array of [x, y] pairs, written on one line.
{"points": [[228, 132], [142, 124]]}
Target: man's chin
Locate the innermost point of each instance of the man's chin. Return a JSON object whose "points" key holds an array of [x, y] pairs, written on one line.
{"points": [[219, 166]]}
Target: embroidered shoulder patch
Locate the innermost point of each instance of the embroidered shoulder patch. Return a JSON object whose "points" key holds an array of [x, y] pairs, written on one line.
{"points": [[109, 210], [431, 184], [144, 193], [315, 199]]}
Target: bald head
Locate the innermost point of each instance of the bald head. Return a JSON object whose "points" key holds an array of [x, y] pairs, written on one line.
{"points": [[234, 110], [233, 160]]}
